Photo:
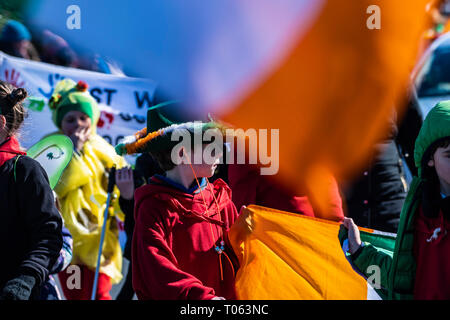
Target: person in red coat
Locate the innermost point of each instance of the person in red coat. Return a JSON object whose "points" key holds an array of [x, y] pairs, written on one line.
{"points": [[180, 248], [175, 238], [250, 187]]}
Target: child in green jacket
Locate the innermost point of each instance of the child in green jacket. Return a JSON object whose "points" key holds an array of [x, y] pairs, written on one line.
{"points": [[419, 267]]}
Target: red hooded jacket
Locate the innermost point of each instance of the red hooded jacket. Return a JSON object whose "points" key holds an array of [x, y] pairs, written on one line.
{"points": [[431, 251], [9, 149], [174, 242]]}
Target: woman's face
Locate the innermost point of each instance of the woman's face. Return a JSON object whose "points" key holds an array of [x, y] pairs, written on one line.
{"points": [[75, 121]]}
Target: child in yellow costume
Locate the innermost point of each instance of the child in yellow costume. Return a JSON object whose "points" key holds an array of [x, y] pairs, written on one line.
{"points": [[82, 193]]}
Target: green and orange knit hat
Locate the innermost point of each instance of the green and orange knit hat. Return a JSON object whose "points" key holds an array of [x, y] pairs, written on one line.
{"points": [[71, 96]]}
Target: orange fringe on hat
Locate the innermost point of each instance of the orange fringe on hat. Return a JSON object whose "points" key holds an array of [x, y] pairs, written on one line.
{"points": [[141, 133], [140, 142]]}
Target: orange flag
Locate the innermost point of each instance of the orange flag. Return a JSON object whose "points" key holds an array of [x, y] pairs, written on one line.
{"points": [[331, 96], [286, 256]]}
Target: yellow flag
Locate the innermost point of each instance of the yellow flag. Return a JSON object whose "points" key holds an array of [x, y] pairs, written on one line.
{"points": [[285, 256]]}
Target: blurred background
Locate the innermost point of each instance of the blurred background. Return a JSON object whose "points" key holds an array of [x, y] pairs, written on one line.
{"points": [[348, 100]]}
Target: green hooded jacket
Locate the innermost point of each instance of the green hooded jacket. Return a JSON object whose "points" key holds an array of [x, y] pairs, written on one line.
{"points": [[399, 271]]}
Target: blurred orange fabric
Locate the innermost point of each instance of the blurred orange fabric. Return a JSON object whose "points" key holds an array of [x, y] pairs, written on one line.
{"points": [[331, 96]]}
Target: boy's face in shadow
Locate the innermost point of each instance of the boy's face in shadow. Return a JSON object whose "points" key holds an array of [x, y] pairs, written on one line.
{"points": [[208, 166], [441, 162]]}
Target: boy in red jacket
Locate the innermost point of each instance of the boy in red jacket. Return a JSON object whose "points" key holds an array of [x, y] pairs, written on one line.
{"points": [[180, 248]]}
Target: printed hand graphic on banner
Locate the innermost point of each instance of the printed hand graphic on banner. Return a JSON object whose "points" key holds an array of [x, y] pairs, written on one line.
{"points": [[13, 77], [52, 80], [106, 118], [35, 103]]}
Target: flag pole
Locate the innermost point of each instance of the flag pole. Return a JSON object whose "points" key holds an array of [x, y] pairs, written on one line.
{"points": [[111, 183]]}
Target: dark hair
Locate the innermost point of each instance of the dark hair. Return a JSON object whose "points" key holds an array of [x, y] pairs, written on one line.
{"points": [[164, 156], [431, 196], [164, 159], [441, 143], [11, 106]]}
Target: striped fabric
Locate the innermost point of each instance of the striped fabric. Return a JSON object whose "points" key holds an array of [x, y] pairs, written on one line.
{"points": [[286, 256]]}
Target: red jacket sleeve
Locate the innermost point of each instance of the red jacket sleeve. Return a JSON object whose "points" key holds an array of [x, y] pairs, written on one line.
{"points": [[243, 182], [155, 271], [335, 211]]}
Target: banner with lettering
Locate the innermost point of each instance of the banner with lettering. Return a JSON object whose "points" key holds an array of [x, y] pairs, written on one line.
{"points": [[123, 101]]}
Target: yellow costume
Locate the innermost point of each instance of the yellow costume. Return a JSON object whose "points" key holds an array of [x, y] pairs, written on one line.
{"points": [[82, 194]]}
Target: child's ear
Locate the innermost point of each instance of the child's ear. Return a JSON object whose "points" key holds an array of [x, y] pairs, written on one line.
{"points": [[431, 163], [2, 122]]}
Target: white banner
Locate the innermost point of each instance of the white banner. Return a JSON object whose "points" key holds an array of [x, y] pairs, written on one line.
{"points": [[123, 101]]}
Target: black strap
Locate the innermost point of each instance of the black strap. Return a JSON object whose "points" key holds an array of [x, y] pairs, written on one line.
{"points": [[15, 163]]}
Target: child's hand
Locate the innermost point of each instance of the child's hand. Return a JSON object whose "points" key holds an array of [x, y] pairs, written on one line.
{"points": [[354, 239], [125, 183], [79, 137]]}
